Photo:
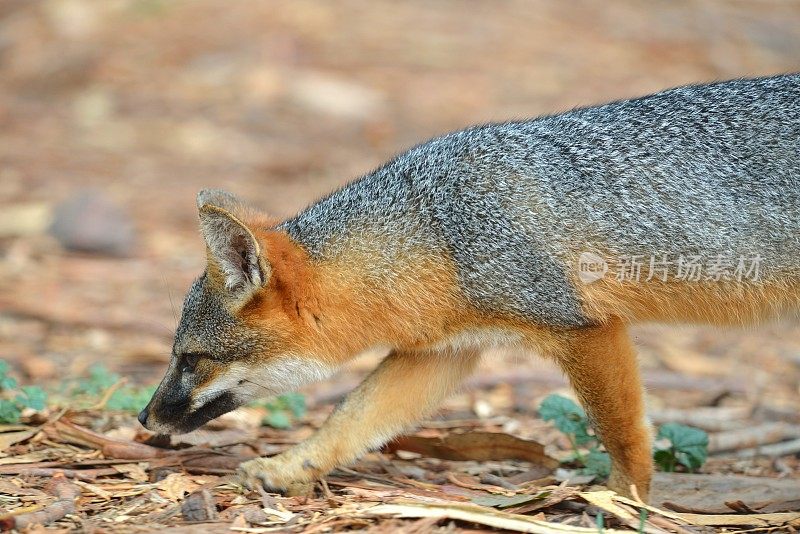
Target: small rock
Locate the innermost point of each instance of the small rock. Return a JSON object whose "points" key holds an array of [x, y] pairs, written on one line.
{"points": [[90, 222], [412, 471], [199, 506]]}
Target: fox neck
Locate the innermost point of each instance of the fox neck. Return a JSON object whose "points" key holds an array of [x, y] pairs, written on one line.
{"points": [[363, 293]]}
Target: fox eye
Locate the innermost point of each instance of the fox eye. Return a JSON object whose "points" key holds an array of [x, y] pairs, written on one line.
{"points": [[190, 361]]}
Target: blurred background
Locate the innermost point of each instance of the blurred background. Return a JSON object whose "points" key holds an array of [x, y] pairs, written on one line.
{"points": [[114, 113]]}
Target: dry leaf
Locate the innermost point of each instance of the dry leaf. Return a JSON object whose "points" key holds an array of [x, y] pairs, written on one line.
{"points": [[466, 481], [100, 492], [744, 520], [282, 515], [479, 446], [482, 516], [133, 471], [605, 500], [555, 496], [21, 433], [239, 522], [506, 501], [637, 504], [176, 486], [29, 458]]}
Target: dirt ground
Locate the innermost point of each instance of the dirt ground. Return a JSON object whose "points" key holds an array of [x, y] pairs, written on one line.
{"points": [[141, 103]]}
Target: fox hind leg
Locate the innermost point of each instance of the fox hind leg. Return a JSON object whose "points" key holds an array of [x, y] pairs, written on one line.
{"points": [[601, 364]]}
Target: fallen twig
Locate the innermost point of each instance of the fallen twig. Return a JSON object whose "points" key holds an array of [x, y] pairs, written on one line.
{"points": [[752, 436], [108, 393], [774, 449], [111, 448], [709, 418], [65, 492], [80, 474]]}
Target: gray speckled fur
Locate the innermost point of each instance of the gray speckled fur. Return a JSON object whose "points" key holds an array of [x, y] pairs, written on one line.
{"points": [[207, 326], [706, 169]]}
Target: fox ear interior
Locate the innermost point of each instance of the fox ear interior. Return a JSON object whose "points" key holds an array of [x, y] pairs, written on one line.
{"points": [[234, 248]]}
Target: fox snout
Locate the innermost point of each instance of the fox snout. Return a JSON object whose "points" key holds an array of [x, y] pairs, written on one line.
{"points": [[172, 415], [179, 406]]}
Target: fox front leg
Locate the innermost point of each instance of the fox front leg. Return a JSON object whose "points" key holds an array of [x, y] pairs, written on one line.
{"points": [[404, 388]]}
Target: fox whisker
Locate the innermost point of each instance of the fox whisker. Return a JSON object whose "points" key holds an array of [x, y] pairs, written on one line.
{"points": [[256, 384]]}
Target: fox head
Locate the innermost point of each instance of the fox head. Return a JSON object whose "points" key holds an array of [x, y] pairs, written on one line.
{"points": [[241, 331]]}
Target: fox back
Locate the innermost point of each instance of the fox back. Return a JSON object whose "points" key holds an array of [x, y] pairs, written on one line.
{"points": [[705, 171]]}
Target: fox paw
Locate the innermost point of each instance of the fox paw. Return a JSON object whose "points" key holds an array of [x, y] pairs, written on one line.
{"points": [[274, 474]]}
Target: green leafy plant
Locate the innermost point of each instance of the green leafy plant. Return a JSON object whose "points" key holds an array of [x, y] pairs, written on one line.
{"points": [[32, 397], [283, 410], [126, 398], [6, 382], [14, 399], [130, 398], [687, 446], [98, 381], [9, 411], [571, 419], [598, 463]]}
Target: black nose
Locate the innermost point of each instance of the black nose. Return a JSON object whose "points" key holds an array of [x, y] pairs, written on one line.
{"points": [[143, 417]]}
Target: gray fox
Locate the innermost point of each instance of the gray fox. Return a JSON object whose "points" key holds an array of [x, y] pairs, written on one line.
{"points": [[551, 235]]}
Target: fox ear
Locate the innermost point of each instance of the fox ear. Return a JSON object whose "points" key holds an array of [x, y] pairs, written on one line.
{"points": [[234, 248], [219, 198]]}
